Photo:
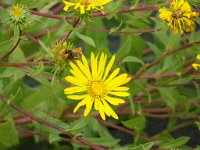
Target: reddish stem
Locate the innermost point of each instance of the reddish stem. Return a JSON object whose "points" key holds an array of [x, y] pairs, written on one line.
{"points": [[49, 124]]}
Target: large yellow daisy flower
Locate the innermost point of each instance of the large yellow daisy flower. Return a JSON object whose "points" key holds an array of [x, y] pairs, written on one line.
{"points": [[179, 16], [86, 5], [93, 86]]}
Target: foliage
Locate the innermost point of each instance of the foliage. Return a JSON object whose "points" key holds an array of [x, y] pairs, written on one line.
{"points": [[162, 110]]}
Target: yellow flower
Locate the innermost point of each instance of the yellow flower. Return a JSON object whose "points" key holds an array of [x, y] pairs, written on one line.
{"points": [[179, 16], [17, 11], [18, 15], [86, 5], [196, 66], [198, 57], [95, 87]]}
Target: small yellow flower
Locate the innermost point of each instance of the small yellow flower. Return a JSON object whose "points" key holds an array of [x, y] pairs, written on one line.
{"points": [[179, 16], [198, 57], [17, 11], [196, 65], [95, 87], [18, 15], [86, 5]]}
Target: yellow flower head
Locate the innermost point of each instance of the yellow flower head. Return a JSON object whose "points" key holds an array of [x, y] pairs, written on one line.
{"points": [[18, 15], [86, 5], [196, 65], [17, 11], [179, 16], [95, 87]]}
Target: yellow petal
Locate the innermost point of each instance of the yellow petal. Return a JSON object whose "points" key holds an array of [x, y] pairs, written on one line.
{"points": [[195, 66], [77, 6], [103, 108], [82, 9], [108, 68], [96, 104], [84, 67], [72, 90], [101, 65], [75, 81], [94, 65], [105, 2], [198, 57], [119, 80], [79, 76], [122, 88], [67, 5], [120, 94], [111, 112], [114, 101], [77, 72], [89, 104], [113, 74], [102, 114], [76, 97], [82, 103]]}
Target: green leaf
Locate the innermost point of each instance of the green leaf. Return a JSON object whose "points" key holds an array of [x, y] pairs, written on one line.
{"points": [[197, 148], [38, 70], [103, 141], [181, 80], [198, 124], [168, 95], [146, 146], [133, 59], [173, 41], [175, 143], [78, 125], [54, 138], [47, 50], [155, 49], [125, 48], [86, 39], [116, 28], [43, 128], [8, 134], [137, 123]]}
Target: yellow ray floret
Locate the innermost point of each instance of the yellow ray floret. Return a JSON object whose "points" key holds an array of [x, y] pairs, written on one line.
{"points": [[196, 65], [179, 16], [95, 86], [85, 5]]}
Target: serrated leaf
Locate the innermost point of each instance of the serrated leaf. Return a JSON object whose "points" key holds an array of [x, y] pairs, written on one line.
{"points": [[174, 143], [8, 134], [54, 138], [137, 123], [86, 39], [78, 125]]}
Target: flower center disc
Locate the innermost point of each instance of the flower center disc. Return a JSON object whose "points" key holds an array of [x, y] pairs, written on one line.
{"points": [[84, 2], [97, 89], [177, 14], [17, 12]]}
